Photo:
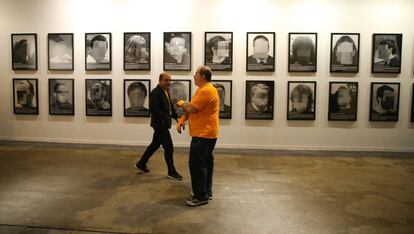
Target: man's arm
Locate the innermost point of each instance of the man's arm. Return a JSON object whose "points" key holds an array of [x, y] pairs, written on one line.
{"points": [[188, 108], [181, 122], [154, 106]]}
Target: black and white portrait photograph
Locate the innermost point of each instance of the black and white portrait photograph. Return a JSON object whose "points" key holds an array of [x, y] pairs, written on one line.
{"points": [[386, 53], [218, 51], [137, 51], [25, 96], [260, 51], [61, 97], [24, 51], [60, 51], [180, 90], [344, 52], [259, 99], [177, 51], [98, 51], [302, 52], [98, 93], [343, 101], [224, 89], [136, 97], [385, 98], [301, 100]]}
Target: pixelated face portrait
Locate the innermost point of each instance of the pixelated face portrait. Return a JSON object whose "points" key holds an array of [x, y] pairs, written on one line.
{"points": [[98, 97], [136, 48], [136, 101], [177, 51], [218, 51], [224, 89], [301, 97], [179, 90], [61, 93], [387, 53], [176, 48], [60, 51], [98, 51], [345, 50], [61, 96], [384, 101], [343, 100], [260, 51], [25, 96], [137, 94], [259, 99], [302, 52], [24, 48], [260, 96]]}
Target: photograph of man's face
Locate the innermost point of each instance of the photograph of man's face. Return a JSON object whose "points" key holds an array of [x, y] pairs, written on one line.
{"points": [[301, 98], [24, 93], [98, 51], [259, 99], [259, 96], [261, 47], [384, 101], [137, 94], [99, 48], [176, 48], [61, 93], [178, 91]]}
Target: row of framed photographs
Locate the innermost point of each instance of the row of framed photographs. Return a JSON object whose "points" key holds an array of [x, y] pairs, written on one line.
{"points": [[259, 102], [218, 51]]}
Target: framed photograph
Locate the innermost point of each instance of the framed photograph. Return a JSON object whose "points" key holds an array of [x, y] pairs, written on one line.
{"points": [[60, 51], [61, 97], [136, 97], [260, 51], [384, 104], [343, 101], [98, 51], [180, 90], [24, 51], [303, 49], [301, 100], [225, 92], [218, 51], [386, 53], [25, 96], [177, 51], [259, 99], [344, 52], [137, 51], [412, 104], [98, 93]]}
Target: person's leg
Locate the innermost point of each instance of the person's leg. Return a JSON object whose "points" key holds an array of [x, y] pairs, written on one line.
{"points": [[210, 166], [168, 146], [198, 168], [155, 144]]}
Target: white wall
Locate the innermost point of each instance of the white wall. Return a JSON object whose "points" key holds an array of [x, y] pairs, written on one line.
{"points": [[157, 16]]}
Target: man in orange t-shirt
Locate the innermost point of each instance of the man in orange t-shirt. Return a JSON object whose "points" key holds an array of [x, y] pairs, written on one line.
{"points": [[203, 115]]}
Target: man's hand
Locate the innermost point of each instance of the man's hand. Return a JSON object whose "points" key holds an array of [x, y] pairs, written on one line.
{"points": [[179, 125], [180, 103]]}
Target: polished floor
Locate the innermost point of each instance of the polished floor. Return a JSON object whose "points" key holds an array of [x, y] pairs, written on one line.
{"points": [[57, 188]]}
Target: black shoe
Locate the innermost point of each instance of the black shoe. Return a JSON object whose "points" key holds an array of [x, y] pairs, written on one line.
{"points": [[174, 175], [196, 202], [142, 168], [210, 196]]}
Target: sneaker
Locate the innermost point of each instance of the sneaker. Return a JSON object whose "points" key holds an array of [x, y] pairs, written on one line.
{"points": [[142, 168], [174, 175], [196, 202], [210, 196]]}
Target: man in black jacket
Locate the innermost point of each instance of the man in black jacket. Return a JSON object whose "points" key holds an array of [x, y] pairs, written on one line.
{"points": [[162, 110]]}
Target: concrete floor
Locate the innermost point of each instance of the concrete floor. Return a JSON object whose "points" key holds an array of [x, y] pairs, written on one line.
{"points": [[56, 188]]}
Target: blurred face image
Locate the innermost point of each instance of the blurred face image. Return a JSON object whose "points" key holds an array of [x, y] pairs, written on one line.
{"points": [[387, 101], [176, 48], [177, 92], [260, 98], [343, 98], [24, 95], [98, 51], [345, 53], [260, 48], [97, 92], [136, 97], [62, 93], [299, 102], [136, 48]]}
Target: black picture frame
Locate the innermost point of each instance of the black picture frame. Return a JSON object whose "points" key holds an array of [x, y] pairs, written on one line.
{"points": [[226, 98], [177, 53], [25, 96], [180, 89], [260, 51], [302, 111], [382, 111], [381, 61], [61, 96], [137, 51], [24, 51], [343, 101], [60, 51], [303, 52], [95, 53], [412, 104], [218, 50], [141, 89], [104, 87], [344, 53], [254, 109]]}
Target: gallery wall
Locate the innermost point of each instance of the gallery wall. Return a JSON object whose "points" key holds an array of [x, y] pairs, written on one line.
{"points": [[197, 16]]}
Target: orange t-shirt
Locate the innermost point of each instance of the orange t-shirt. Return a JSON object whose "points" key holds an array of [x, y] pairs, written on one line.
{"points": [[204, 123]]}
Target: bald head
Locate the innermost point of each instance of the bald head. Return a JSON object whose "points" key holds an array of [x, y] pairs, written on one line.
{"points": [[165, 80], [164, 75]]}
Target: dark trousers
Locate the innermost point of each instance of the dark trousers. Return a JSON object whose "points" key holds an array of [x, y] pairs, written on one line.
{"points": [[201, 165], [161, 137]]}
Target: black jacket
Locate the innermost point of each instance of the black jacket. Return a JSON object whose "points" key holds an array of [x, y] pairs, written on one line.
{"points": [[161, 112]]}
